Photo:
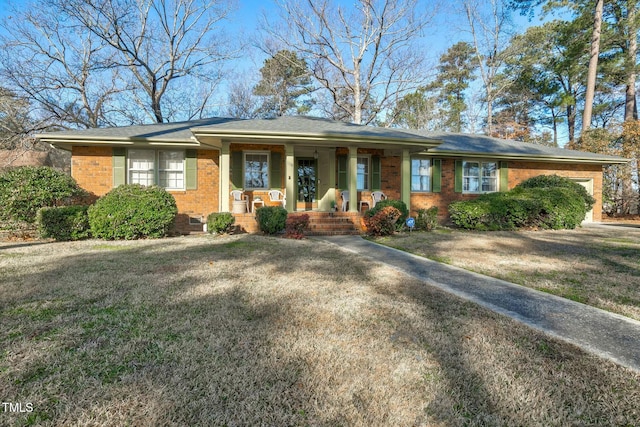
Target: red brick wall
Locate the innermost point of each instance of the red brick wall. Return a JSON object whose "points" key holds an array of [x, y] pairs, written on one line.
{"points": [[518, 172], [92, 168]]}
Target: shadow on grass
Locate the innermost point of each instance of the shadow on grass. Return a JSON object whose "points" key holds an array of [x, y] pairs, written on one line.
{"points": [[156, 333]]}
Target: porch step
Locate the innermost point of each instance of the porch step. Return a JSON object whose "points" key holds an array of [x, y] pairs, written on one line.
{"points": [[332, 224]]}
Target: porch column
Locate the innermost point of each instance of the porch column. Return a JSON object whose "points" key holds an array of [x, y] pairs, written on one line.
{"points": [[225, 173], [291, 178], [353, 179], [405, 192]]}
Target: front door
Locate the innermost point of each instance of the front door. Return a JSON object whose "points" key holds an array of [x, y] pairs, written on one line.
{"points": [[307, 171]]}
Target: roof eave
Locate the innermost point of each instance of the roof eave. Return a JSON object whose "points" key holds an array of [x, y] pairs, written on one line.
{"points": [[530, 157]]}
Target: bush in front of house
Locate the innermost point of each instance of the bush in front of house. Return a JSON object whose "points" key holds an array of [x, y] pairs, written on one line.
{"points": [[296, 225], [133, 211], [383, 222], [398, 204], [220, 222], [271, 219], [547, 208], [427, 219], [64, 222], [24, 190], [555, 181]]}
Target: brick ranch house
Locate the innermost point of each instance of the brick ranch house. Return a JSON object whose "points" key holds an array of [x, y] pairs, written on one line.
{"points": [[311, 160]]}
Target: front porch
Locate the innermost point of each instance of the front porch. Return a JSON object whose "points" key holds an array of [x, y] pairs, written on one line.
{"points": [[320, 223]]}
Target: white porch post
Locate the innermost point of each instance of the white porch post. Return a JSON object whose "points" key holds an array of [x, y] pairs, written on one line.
{"points": [[290, 175], [353, 179], [405, 195], [225, 171]]}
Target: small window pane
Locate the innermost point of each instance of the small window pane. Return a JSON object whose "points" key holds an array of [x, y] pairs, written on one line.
{"points": [[171, 169], [363, 173], [489, 176], [420, 174], [256, 170]]}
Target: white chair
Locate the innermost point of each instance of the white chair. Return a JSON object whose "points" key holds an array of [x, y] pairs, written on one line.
{"points": [[377, 196], [277, 196], [345, 200], [239, 196]]}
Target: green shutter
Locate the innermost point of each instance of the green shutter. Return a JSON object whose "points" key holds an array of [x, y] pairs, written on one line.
{"points": [[275, 170], [376, 173], [342, 172], [191, 169], [119, 161], [504, 177], [436, 176], [236, 170], [458, 177]]}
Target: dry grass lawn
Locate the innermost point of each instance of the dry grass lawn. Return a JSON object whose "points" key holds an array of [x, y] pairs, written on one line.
{"points": [[595, 265], [249, 330]]}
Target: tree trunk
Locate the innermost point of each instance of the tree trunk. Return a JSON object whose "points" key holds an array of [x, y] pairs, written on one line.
{"points": [[630, 108], [571, 123], [593, 66]]}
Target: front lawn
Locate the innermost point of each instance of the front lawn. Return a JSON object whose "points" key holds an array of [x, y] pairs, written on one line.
{"points": [[595, 265], [250, 330]]}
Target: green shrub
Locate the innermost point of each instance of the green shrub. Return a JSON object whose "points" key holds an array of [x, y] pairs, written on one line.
{"points": [[555, 181], [427, 219], [26, 189], [133, 211], [549, 207], [384, 222], [220, 222], [398, 204], [271, 219], [296, 225], [64, 223]]}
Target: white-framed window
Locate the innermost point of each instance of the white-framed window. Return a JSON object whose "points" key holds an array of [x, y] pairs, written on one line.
{"points": [[162, 167], [256, 170], [479, 177], [420, 174], [363, 173], [141, 165], [171, 169]]}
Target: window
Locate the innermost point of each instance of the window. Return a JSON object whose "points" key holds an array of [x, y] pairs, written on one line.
{"points": [[479, 177], [169, 173], [256, 170], [363, 173], [141, 167], [420, 174], [171, 169]]}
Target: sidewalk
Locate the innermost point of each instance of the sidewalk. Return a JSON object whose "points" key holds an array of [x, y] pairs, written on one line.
{"points": [[596, 331]]}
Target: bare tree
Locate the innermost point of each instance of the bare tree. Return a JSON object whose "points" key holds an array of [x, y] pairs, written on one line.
{"points": [[159, 42], [364, 56], [58, 67], [490, 36]]}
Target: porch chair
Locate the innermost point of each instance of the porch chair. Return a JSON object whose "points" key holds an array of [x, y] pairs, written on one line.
{"points": [[278, 197], [345, 200], [239, 196], [376, 196]]}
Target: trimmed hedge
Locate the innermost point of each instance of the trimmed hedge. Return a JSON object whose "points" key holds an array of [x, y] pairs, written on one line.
{"points": [[427, 219], [24, 190], [220, 222], [64, 223], [538, 203], [398, 204], [133, 211], [271, 219], [384, 222]]}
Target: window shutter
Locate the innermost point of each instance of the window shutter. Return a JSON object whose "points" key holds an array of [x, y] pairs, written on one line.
{"points": [[275, 178], [458, 177], [236, 169], [504, 176], [191, 169], [119, 161], [436, 175], [376, 173], [342, 172]]}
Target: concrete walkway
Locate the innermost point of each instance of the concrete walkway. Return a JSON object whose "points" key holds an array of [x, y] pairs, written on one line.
{"points": [[605, 334]]}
